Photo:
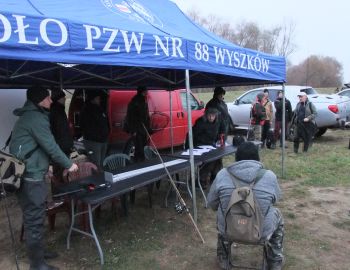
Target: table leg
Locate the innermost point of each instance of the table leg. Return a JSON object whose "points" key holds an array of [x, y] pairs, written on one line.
{"points": [[71, 224], [92, 229], [94, 234], [201, 189]]}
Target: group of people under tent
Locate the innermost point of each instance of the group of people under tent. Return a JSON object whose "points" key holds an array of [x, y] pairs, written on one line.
{"points": [[42, 123]]}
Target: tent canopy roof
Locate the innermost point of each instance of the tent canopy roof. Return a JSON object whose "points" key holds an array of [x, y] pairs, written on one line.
{"points": [[113, 43]]}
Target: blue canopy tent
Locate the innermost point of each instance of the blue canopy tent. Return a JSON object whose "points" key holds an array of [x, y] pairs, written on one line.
{"points": [[121, 44]]}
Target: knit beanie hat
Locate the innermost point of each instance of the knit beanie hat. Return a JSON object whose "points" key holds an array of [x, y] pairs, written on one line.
{"points": [[56, 95], [36, 94], [247, 151], [141, 89], [211, 110], [219, 90]]}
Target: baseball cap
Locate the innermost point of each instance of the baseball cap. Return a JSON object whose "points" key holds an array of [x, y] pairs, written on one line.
{"points": [[302, 94]]}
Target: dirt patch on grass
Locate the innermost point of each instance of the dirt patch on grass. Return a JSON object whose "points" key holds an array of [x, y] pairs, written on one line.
{"points": [[322, 217]]}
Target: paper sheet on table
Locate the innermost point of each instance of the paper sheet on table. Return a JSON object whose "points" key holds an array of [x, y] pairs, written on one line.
{"points": [[199, 151]]}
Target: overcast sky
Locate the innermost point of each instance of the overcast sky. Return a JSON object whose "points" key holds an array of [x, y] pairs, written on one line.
{"points": [[321, 27]]}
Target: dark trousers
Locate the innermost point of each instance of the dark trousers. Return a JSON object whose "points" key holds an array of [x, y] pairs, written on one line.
{"points": [[140, 143], [264, 130], [278, 130], [96, 152], [208, 172], [305, 131], [32, 199]]}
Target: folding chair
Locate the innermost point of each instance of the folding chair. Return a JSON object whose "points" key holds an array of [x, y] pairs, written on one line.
{"points": [[85, 169], [112, 163], [115, 161], [263, 244]]}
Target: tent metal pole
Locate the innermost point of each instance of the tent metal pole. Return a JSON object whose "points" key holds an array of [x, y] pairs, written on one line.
{"points": [[283, 133], [190, 140], [171, 121]]}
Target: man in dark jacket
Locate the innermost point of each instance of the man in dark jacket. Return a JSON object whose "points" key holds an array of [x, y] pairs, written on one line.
{"points": [[95, 127], [267, 193], [32, 132], [218, 103], [304, 122], [60, 128], [59, 122], [206, 132], [137, 119], [279, 114]]}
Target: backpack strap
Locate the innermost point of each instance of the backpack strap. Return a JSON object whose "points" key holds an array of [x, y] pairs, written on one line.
{"points": [[29, 154], [26, 156], [7, 142], [310, 107]]}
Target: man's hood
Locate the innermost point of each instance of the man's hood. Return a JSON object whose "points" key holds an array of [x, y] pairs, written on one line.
{"points": [[245, 170], [28, 106]]}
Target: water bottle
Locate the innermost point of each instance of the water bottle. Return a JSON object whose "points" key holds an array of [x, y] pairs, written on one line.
{"points": [[222, 140]]}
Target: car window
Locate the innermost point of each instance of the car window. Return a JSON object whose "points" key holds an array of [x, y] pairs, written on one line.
{"points": [[309, 91], [273, 94], [193, 102], [248, 98], [345, 92]]}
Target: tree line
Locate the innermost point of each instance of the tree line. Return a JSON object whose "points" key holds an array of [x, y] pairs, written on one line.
{"points": [[315, 70]]}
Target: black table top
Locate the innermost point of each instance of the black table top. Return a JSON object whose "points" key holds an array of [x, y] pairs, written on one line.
{"points": [[210, 156], [79, 189]]}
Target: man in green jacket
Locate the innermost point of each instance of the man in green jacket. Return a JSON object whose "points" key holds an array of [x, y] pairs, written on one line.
{"points": [[32, 134]]}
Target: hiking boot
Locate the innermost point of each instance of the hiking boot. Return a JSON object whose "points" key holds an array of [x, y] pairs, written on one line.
{"points": [[50, 255], [223, 262], [276, 265], [43, 266]]}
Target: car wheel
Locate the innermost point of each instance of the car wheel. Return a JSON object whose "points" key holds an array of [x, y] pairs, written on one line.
{"points": [[320, 132]]}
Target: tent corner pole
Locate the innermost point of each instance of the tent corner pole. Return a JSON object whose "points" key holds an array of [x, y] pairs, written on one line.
{"points": [[190, 140], [283, 133]]}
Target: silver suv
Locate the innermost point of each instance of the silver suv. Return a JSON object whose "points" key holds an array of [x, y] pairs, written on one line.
{"points": [[332, 110]]}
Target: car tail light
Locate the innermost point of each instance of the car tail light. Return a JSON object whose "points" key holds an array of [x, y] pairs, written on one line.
{"points": [[333, 108]]}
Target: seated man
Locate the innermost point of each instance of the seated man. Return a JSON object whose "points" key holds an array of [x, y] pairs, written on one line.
{"points": [[267, 192], [206, 132]]}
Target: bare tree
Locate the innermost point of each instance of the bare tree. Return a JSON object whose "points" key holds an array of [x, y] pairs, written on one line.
{"points": [[318, 71], [286, 45], [278, 40]]}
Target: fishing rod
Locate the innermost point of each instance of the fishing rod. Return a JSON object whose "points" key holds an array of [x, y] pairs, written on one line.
{"points": [[3, 195], [182, 202]]}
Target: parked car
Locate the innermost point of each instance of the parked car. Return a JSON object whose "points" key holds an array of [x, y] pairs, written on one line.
{"points": [[344, 92], [159, 109], [332, 110]]}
